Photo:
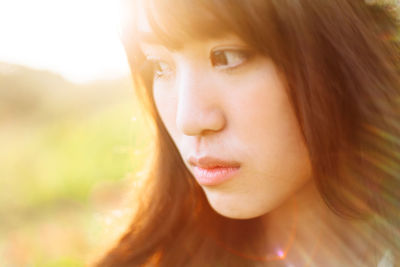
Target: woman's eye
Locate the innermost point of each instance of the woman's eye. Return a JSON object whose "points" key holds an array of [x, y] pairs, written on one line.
{"points": [[228, 59], [160, 69]]}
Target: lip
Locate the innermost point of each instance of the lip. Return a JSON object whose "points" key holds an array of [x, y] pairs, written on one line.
{"points": [[208, 162], [213, 171]]}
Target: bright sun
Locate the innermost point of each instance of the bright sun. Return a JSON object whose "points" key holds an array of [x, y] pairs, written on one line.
{"points": [[77, 38]]}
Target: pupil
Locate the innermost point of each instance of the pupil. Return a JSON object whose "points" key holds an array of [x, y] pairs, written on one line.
{"points": [[219, 58]]}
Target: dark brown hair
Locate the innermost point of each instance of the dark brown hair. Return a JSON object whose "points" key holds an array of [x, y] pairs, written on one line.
{"points": [[340, 58]]}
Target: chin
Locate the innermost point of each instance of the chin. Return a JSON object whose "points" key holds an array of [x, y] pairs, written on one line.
{"points": [[235, 209]]}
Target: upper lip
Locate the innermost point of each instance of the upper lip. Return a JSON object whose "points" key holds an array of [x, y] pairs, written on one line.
{"points": [[208, 162]]}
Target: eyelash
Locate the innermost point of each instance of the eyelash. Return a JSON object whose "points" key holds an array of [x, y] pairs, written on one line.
{"points": [[151, 64], [215, 55], [164, 72], [241, 54]]}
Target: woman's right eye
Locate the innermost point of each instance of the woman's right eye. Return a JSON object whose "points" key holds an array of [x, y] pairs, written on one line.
{"points": [[161, 69]]}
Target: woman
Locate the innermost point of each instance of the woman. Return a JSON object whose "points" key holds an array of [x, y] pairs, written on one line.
{"points": [[277, 134]]}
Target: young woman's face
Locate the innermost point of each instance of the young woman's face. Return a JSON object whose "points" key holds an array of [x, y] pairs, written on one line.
{"points": [[226, 109]]}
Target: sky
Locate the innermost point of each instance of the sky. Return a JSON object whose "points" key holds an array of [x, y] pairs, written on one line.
{"points": [[78, 39]]}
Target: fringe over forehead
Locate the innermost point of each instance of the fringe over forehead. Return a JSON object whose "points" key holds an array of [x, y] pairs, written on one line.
{"points": [[179, 21]]}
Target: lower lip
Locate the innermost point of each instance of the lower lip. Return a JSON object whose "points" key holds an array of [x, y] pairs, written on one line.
{"points": [[214, 176]]}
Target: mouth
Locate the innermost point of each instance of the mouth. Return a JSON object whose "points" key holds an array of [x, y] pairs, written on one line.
{"points": [[214, 176], [213, 171]]}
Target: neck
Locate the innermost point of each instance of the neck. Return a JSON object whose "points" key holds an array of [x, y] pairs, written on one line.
{"points": [[303, 231]]}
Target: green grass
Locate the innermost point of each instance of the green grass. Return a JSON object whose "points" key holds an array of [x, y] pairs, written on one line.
{"points": [[49, 174]]}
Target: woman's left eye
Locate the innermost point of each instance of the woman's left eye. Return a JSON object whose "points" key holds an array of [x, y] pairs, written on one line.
{"points": [[228, 59]]}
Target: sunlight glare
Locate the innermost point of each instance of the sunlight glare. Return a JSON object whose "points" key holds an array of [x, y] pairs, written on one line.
{"points": [[77, 38]]}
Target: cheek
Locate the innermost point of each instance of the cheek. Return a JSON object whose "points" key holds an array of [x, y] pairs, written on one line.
{"points": [[275, 130], [166, 105], [268, 139], [265, 108], [276, 141], [261, 112]]}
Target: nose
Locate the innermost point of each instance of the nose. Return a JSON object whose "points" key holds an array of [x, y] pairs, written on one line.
{"points": [[199, 108]]}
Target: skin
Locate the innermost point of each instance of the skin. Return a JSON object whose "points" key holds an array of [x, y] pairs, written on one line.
{"points": [[206, 109], [220, 98]]}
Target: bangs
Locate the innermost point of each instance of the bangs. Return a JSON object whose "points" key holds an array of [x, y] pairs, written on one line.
{"points": [[177, 22]]}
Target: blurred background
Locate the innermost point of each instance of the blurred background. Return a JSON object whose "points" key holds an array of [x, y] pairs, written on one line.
{"points": [[72, 141]]}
